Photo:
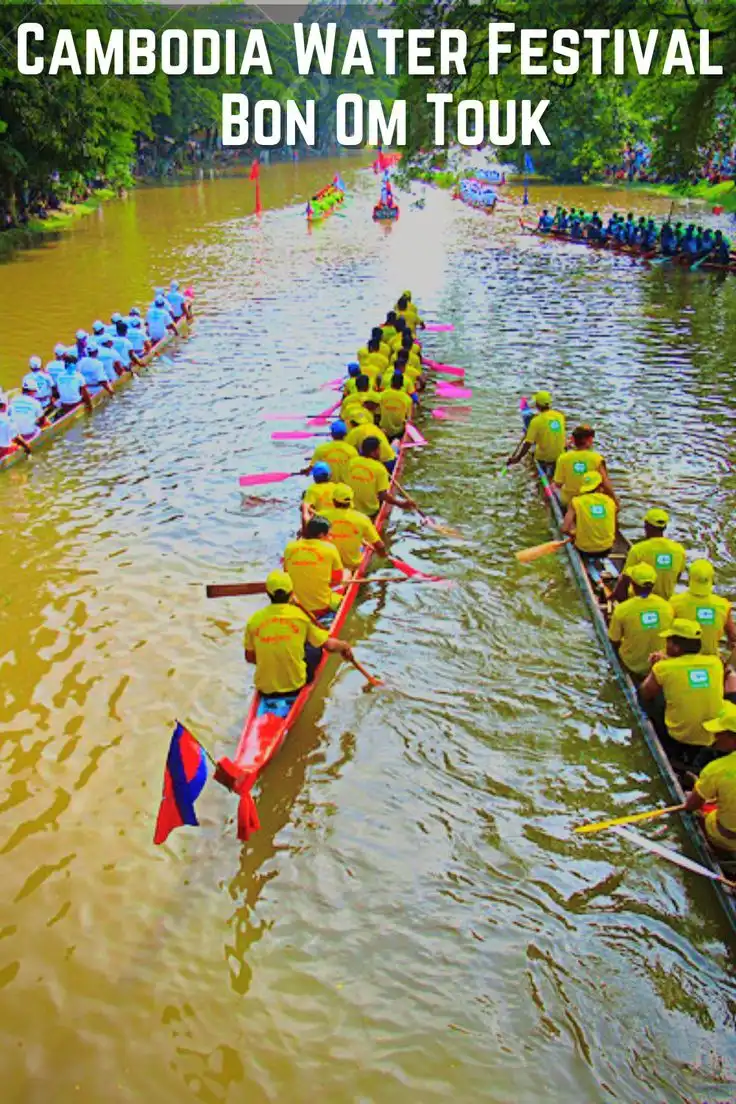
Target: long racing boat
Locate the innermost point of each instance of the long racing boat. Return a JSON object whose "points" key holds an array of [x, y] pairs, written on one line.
{"points": [[271, 717], [596, 590], [100, 396], [635, 251]]}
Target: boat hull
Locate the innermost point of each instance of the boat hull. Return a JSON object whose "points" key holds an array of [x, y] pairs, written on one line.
{"points": [[67, 421], [264, 732], [600, 614], [385, 214]]}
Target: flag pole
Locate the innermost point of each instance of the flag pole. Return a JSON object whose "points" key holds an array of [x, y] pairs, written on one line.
{"points": [[206, 750]]}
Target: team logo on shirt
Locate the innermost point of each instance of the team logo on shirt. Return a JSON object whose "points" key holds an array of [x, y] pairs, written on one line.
{"points": [[663, 560], [580, 467], [555, 426], [705, 615], [649, 619], [597, 510], [698, 678]]}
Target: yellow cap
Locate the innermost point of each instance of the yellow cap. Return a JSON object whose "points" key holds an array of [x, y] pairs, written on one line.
{"points": [[357, 416], [543, 398], [342, 495], [725, 721], [682, 626], [700, 578], [590, 481], [278, 580], [656, 517], [642, 574], [405, 295]]}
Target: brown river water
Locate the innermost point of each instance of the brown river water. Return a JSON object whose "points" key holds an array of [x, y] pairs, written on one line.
{"points": [[415, 921]]}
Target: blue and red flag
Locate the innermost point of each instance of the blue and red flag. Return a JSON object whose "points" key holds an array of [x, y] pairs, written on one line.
{"points": [[184, 777]]}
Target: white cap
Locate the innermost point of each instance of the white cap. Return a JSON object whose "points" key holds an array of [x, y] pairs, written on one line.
{"points": [[107, 339], [3, 399], [29, 384], [174, 285], [35, 363], [116, 317], [59, 349], [134, 312], [81, 334], [92, 347], [98, 326], [71, 352]]}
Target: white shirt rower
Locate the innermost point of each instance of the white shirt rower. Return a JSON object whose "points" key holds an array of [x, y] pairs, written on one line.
{"points": [[110, 357], [8, 428], [164, 296], [26, 411], [122, 342], [136, 336], [57, 365], [42, 379], [176, 299], [158, 319], [70, 383], [91, 367]]}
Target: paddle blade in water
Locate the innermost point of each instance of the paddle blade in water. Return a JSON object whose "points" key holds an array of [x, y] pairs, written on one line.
{"points": [[332, 384], [448, 391], [413, 572], [440, 413], [284, 417], [528, 555], [295, 435], [444, 369], [632, 818], [264, 477], [439, 327], [414, 435], [231, 590]]}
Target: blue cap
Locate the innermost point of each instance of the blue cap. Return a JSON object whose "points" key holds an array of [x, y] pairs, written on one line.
{"points": [[321, 472], [71, 353], [81, 334], [338, 428], [35, 363], [159, 300], [353, 370]]}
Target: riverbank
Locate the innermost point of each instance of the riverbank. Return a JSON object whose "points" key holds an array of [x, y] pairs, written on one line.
{"points": [[24, 237], [715, 195]]}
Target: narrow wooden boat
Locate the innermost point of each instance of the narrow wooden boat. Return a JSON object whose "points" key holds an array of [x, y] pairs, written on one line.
{"points": [[383, 213], [98, 398], [596, 592], [636, 251], [321, 215], [271, 718]]}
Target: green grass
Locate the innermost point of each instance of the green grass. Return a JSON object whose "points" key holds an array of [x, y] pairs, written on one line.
{"points": [[24, 237], [715, 195]]}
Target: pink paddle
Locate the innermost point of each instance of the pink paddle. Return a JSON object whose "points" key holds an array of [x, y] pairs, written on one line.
{"points": [[444, 369], [414, 435], [296, 435], [447, 391], [439, 327], [324, 415], [441, 413], [332, 385], [265, 477], [413, 572]]}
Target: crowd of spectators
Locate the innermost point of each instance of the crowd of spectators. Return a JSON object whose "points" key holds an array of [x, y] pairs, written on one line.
{"points": [[717, 164]]}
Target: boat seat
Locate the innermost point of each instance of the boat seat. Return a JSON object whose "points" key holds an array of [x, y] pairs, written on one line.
{"points": [[277, 704]]}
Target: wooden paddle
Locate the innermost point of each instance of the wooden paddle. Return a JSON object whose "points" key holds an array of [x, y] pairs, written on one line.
{"points": [[529, 555], [447, 530], [650, 814], [236, 590], [672, 856]]}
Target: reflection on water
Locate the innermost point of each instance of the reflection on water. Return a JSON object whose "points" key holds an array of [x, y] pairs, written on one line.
{"points": [[415, 920]]}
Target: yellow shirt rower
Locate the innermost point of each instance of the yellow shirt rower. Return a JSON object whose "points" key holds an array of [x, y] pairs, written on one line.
{"points": [[666, 556], [336, 453], [318, 494], [370, 482], [572, 465], [276, 639], [315, 566], [350, 530], [691, 685], [546, 432], [591, 518], [366, 429], [396, 408], [717, 782], [637, 624], [711, 611]]}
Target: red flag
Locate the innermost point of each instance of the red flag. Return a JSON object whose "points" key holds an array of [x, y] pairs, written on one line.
{"points": [[255, 170]]}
